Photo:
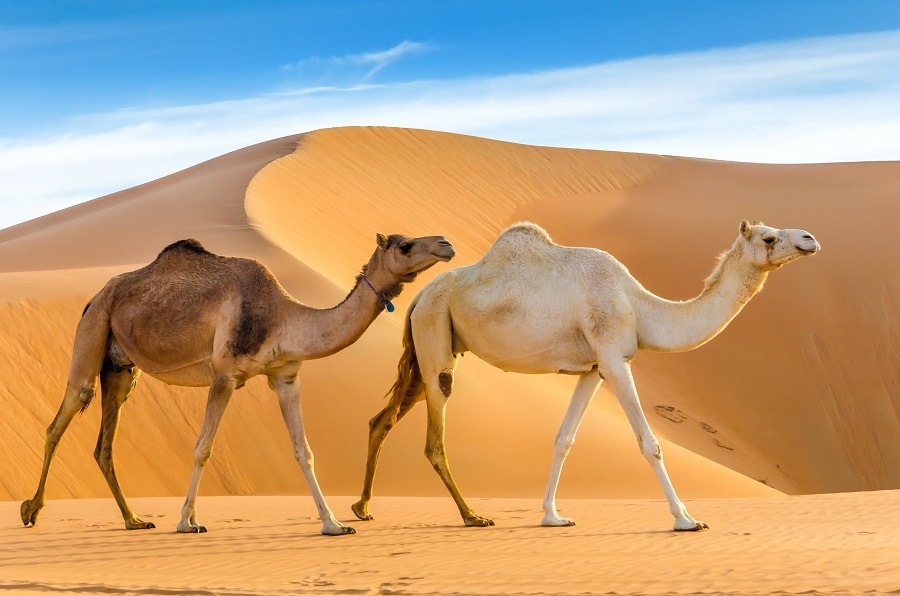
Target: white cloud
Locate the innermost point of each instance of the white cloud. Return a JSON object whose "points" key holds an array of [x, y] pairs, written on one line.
{"points": [[827, 99], [374, 61]]}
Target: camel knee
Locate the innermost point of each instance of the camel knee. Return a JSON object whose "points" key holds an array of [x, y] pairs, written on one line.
{"points": [[85, 394], [202, 454], [304, 457], [651, 449], [562, 445], [51, 439]]}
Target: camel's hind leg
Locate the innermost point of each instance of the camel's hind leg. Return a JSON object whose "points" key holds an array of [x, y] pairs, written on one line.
{"points": [[565, 438], [116, 385], [433, 335], [435, 451], [379, 427], [90, 347]]}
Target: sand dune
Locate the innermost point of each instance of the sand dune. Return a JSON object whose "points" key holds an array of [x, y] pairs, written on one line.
{"points": [[800, 392], [830, 544]]}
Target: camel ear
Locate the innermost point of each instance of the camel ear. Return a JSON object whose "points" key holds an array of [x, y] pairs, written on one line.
{"points": [[382, 241], [745, 229]]}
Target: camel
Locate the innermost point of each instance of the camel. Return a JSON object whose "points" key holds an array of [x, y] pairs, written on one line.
{"points": [[196, 319], [533, 306]]}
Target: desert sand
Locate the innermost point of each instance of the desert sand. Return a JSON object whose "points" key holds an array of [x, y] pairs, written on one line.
{"points": [[823, 544], [801, 394]]}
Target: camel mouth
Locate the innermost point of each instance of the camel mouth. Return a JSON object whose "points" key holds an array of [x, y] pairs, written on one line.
{"points": [[808, 251], [445, 255]]}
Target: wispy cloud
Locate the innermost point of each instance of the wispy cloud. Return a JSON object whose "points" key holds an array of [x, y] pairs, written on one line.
{"points": [[827, 99], [372, 61]]}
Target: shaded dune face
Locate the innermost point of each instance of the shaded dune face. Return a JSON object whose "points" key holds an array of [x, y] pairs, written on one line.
{"points": [[798, 392]]}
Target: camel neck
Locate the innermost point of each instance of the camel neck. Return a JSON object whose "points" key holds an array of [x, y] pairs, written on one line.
{"points": [[330, 330], [670, 326]]}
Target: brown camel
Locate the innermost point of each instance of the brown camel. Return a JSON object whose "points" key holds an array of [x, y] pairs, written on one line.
{"points": [[196, 319]]}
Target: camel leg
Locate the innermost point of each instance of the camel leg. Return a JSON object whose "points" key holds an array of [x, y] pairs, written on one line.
{"points": [[622, 383], [288, 390], [77, 397], [565, 438], [437, 454], [116, 386], [91, 338], [220, 392], [379, 427]]}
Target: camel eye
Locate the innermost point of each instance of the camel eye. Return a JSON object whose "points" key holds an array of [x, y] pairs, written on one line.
{"points": [[769, 240], [405, 248]]}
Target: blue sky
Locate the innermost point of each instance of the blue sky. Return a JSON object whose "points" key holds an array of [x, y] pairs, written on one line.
{"points": [[112, 94]]}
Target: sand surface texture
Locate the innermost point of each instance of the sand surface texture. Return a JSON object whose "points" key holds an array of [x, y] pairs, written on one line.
{"points": [[831, 544]]}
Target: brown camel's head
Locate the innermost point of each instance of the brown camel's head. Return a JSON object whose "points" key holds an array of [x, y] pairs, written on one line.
{"points": [[404, 258], [770, 248]]}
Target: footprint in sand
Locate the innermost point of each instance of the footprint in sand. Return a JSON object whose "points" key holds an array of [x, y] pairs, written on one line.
{"points": [[723, 445], [671, 413]]}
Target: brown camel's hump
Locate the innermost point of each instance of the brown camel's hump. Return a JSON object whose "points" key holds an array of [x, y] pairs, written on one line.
{"points": [[187, 245]]}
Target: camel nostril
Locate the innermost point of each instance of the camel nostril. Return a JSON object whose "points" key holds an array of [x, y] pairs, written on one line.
{"points": [[444, 243], [808, 237]]}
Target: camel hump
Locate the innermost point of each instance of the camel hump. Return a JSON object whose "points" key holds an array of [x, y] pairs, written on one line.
{"points": [[188, 245], [520, 239], [527, 229]]}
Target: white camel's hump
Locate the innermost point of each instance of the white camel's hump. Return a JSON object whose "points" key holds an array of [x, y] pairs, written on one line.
{"points": [[522, 237]]}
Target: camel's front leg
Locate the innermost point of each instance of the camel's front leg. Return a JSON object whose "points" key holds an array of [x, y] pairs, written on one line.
{"points": [[288, 390], [581, 399], [619, 377], [219, 394]]}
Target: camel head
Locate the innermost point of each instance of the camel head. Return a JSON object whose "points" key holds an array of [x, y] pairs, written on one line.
{"points": [[770, 248], [404, 258]]}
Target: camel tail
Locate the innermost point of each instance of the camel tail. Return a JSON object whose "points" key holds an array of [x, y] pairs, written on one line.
{"points": [[409, 384]]}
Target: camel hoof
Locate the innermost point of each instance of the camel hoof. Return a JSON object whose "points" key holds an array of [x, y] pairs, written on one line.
{"points": [[361, 510], [137, 524], [557, 522], [190, 529], [29, 512], [477, 521], [698, 526], [342, 531]]}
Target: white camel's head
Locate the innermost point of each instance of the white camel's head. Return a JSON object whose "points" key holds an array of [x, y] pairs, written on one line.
{"points": [[405, 257], [770, 248]]}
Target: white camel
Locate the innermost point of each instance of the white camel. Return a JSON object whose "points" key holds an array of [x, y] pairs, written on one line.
{"points": [[533, 306]]}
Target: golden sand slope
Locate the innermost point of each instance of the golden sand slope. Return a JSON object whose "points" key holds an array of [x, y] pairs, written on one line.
{"points": [[832, 544], [815, 351]]}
